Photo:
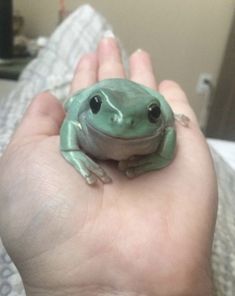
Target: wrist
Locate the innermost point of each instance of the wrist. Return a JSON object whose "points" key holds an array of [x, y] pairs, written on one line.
{"points": [[86, 291], [187, 289], [191, 281]]}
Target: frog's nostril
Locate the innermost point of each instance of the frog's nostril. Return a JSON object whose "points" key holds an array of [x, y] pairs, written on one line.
{"points": [[120, 120], [130, 122], [112, 118]]}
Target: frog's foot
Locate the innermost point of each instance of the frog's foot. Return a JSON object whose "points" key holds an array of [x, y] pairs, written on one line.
{"points": [[89, 169], [140, 165]]}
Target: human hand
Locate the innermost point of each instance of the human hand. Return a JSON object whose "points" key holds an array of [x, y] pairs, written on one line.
{"points": [[151, 235]]}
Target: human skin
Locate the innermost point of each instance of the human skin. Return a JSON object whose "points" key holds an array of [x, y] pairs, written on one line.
{"points": [[151, 235]]}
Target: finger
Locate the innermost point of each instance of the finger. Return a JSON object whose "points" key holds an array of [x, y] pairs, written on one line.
{"points": [[177, 99], [141, 69], [110, 62], [85, 73], [43, 117]]}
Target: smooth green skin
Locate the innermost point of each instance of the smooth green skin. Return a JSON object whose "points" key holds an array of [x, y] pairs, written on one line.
{"points": [[121, 130]]}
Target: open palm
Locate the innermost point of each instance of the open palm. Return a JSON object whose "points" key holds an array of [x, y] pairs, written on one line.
{"points": [[151, 235]]}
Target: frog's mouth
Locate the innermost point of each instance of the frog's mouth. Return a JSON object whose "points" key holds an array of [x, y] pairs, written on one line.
{"points": [[94, 132], [105, 146]]}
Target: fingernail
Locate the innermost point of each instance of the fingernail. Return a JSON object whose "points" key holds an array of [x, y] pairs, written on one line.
{"points": [[139, 50], [108, 34]]}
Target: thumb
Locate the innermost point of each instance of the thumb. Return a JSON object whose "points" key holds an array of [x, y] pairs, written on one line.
{"points": [[43, 117]]}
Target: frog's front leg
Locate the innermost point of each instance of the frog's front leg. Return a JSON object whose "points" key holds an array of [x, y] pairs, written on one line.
{"points": [[69, 148], [157, 160]]}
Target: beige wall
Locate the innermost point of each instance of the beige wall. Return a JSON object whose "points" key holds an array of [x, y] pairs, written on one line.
{"points": [[185, 38]]}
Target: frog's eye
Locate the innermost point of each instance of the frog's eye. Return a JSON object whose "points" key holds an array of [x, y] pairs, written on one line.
{"points": [[154, 112], [95, 104]]}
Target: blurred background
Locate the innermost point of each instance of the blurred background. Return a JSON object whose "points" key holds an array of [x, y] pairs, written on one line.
{"points": [[186, 39]]}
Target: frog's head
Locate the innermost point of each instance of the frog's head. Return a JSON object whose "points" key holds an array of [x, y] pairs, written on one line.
{"points": [[125, 115]]}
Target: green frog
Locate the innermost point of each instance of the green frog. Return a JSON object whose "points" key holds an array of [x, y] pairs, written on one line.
{"points": [[121, 120]]}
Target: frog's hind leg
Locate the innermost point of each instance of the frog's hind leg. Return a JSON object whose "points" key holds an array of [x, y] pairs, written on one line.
{"points": [[155, 161], [69, 148], [89, 169]]}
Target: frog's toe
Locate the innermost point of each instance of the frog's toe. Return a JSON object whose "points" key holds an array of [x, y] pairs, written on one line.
{"points": [[91, 179], [134, 172], [123, 165], [130, 173], [129, 164], [93, 176], [99, 172], [104, 177], [132, 162], [87, 174]]}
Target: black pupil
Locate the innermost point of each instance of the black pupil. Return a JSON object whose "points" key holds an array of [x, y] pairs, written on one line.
{"points": [[95, 104], [154, 113]]}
